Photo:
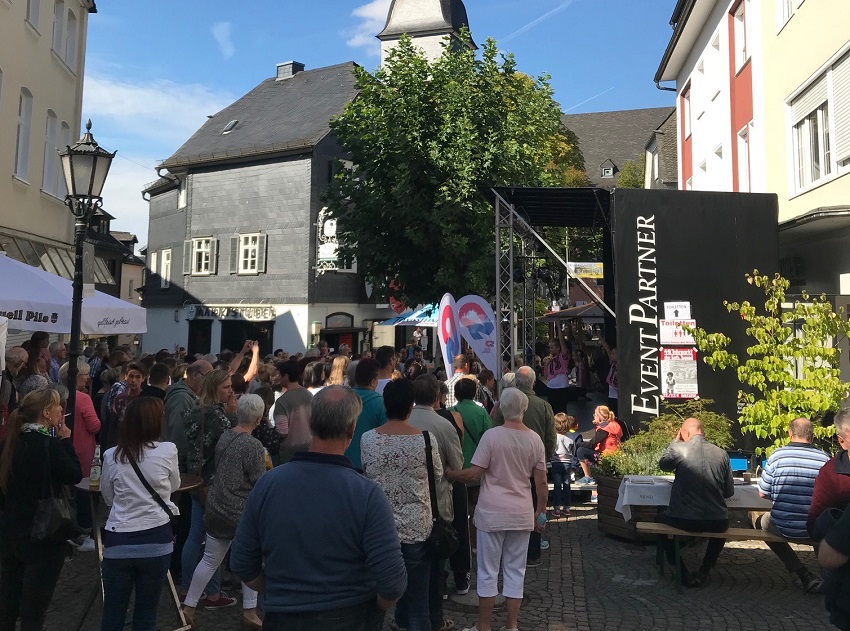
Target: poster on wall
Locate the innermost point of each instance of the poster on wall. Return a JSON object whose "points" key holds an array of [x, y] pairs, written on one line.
{"points": [[679, 310], [672, 333], [679, 373]]}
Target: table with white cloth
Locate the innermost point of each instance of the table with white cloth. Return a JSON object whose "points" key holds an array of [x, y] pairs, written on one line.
{"points": [[642, 490]]}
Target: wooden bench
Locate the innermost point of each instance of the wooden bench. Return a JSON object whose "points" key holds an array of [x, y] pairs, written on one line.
{"points": [[731, 534]]}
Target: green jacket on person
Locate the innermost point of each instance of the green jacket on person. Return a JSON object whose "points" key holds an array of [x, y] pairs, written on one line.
{"points": [[476, 421], [539, 417]]}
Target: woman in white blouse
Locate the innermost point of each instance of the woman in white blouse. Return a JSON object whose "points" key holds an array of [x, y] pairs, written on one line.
{"points": [[394, 456], [138, 539]]}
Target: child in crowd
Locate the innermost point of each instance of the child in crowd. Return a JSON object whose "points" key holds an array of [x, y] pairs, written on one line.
{"points": [[563, 462]]}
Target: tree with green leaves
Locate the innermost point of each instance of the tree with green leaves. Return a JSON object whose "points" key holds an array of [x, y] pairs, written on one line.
{"points": [[424, 137], [632, 174], [791, 369]]}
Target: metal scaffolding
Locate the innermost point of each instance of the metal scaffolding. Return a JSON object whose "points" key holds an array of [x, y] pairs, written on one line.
{"points": [[513, 233]]}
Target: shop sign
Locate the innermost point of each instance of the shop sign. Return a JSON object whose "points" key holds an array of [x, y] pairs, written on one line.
{"points": [[253, 313]]}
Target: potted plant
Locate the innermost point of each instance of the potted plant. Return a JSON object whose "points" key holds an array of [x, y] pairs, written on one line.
{"points": [[640, 456]]}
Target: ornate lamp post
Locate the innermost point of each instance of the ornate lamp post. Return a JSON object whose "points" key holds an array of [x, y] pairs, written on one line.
{"points": [[85, 166]]}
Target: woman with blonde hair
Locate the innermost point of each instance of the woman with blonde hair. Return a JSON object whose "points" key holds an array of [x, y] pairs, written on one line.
{"points": [[338, 370], [606, 439], [33, 466], [204, 427]]}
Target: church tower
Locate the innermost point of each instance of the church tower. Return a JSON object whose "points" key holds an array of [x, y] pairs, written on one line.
{"points": [[427, 22]]}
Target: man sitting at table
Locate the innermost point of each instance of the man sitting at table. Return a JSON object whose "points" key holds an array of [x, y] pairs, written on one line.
{"points": [[698, 497], [788, 479]]}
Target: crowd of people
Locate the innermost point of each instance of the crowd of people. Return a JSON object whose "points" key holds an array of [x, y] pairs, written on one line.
{"points": [[336, 487]]}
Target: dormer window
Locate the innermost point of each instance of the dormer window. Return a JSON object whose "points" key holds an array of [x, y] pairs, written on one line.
{"points": [[229, 127]]}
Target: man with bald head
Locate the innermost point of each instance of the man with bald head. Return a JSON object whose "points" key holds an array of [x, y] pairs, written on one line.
{"points": [[788, 479], [698, 499]]}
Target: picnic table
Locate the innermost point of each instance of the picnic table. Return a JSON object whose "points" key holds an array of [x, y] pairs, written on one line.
{"points": [[642, 490]]}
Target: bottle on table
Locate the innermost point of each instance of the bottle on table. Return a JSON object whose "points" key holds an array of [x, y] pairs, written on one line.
{"points": [[94, 477]]}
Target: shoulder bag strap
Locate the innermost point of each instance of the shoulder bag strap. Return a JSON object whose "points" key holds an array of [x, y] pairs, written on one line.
{"points": [[432, 485], [147, 485]]}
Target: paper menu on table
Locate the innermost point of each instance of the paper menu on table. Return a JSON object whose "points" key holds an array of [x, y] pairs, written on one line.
{"points": [[641, 479]]}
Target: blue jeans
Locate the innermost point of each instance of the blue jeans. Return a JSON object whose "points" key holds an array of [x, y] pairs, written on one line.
{"points": [[192, 552], [120, 578], [411, 612], [561, 480]]}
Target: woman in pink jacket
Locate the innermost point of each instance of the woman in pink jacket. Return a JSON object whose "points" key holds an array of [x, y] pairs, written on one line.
{"points": [[86, 427]]}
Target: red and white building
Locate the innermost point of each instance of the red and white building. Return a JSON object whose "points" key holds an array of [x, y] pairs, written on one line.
{"points": [[714, 57]]}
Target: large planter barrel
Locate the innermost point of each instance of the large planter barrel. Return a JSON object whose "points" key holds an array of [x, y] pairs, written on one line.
{"points": [[611, 522]]}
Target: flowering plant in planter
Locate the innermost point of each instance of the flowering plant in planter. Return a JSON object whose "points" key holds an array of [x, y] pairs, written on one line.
{"points": [[640, 454]]}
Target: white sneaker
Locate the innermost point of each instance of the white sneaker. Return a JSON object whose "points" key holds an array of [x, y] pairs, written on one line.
{"points": [[87, 545]]}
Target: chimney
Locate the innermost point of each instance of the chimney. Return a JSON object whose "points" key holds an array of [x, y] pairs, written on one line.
{"points": [[289, 69]]}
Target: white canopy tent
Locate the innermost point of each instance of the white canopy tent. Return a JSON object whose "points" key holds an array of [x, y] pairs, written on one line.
{"points": [[34, 300]]}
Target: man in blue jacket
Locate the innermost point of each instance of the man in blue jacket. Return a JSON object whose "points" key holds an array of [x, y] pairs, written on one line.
{"points": [[317, 538]]}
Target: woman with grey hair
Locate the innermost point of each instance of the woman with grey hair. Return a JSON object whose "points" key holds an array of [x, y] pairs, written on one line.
{"points": [[508, 457], [240, 461]]}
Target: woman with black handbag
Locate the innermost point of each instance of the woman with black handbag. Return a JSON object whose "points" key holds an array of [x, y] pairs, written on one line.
{"points": [[35, 515], [139, 476], [394, 455]]}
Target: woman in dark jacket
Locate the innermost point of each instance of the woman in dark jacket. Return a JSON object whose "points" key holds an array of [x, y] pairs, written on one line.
{"points": [[31, 464]]}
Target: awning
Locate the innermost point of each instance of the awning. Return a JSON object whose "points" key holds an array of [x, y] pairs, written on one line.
{"points": [[35, 300]]}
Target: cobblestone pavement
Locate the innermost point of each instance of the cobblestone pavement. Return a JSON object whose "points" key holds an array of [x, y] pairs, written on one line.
{"points": [[587, 582]]}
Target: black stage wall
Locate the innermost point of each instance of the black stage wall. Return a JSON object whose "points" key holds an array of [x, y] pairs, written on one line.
{"points": [[677, 246]]}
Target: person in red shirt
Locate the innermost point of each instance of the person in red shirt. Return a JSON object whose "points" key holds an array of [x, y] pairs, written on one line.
{"points": [[832, 485]]}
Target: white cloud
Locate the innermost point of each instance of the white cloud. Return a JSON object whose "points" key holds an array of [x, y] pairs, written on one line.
{"points": [[221, 31], [122, 194], [372, 18], [146, 122], [158, 111]]}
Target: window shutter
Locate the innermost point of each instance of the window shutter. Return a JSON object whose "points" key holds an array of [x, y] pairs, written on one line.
{"points": [[261, 254], [187, 258], [154, 267], [809, 100], [840, 107], [213, 256], [234, 255]]}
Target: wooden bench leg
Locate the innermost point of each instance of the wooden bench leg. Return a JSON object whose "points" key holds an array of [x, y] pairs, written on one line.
{"points": [[678, 557], [659, 554]]}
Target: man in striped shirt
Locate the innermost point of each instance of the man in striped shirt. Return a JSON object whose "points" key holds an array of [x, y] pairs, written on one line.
{"points": [[789, 480]]}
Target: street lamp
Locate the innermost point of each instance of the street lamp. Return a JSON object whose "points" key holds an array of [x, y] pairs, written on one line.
{"points": [[85, 166]]}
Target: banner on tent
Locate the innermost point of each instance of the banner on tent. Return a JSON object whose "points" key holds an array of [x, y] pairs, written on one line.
{"points": [[477, 325], [447, 330], [35, 317]]}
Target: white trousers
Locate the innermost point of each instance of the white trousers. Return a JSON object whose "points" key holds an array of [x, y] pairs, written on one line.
{"points": [[214, 552], [505, 548]]}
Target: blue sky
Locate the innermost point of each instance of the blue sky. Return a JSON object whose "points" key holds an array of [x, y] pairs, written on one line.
{"points": [[155, 70]]}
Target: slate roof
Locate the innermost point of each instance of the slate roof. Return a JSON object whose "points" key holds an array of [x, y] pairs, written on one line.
{"points": [[616, 136], [275, 117], [424, 16], [667, 146]]}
